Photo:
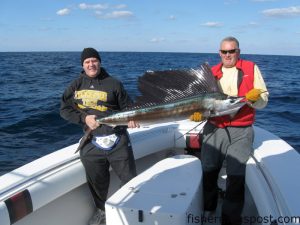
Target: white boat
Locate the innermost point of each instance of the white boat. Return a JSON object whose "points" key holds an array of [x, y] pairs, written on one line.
{"points": [[52, 189]]}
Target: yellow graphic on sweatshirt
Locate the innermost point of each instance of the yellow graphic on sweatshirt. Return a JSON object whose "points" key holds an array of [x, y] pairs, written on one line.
{"points": [[90, 99]]}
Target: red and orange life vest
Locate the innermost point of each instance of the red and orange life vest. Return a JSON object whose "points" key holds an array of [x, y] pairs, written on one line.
{"points": [[246, 114]]}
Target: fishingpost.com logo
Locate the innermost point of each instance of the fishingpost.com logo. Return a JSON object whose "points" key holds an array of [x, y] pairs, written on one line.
{"points": [[197, 219]]}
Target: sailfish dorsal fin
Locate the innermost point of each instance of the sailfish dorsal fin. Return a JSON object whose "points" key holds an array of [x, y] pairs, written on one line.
{"points": [[158, 87]]}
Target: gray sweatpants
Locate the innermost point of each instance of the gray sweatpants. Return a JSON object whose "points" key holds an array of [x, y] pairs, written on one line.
{"points": [[234, 145]]}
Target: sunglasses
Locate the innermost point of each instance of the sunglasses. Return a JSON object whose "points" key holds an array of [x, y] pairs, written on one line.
{"points": [[231, 51]]}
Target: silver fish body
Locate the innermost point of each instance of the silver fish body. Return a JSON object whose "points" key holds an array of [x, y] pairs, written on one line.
{"points": [[208, 104]]}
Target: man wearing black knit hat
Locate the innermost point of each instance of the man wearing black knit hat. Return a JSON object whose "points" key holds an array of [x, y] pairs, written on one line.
{"points": [[93, 95], [89, 53]]}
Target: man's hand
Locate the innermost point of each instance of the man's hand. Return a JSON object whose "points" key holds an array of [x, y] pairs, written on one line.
{"points": [[253, 95], [196, 116], [133, 124], [91, 122]]}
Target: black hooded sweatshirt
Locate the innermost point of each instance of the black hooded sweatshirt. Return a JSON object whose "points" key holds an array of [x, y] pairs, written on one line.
{"points": [[100, 96]]}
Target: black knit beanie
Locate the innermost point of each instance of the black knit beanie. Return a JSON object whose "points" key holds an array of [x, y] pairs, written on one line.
{"points": [[89, 53]]}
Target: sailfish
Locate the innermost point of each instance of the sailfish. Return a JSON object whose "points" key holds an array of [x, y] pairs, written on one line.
{"points": [[173, 95]]}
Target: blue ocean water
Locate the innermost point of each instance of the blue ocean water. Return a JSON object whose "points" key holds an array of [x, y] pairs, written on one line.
{"points": [[32, 83]]}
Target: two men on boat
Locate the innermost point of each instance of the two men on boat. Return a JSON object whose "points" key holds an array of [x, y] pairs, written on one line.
{"points": [[226, 138]]}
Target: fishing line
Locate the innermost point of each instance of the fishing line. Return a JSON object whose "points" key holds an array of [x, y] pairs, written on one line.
{"points": [[192, 129]]}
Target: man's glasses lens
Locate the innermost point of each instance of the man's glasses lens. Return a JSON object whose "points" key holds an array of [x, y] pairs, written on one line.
{"points": [[228, 51]]}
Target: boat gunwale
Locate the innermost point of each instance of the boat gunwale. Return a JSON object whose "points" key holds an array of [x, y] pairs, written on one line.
{"points": [[25, 183]]}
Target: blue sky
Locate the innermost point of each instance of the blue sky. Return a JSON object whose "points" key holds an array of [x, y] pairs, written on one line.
{"points": [[262, 26]]}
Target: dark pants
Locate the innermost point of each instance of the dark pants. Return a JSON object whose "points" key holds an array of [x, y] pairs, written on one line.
{"points": [[96, 163], [233, 144]]}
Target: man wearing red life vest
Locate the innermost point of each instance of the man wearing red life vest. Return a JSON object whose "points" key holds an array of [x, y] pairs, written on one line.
{"points": [[230, 138]]}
